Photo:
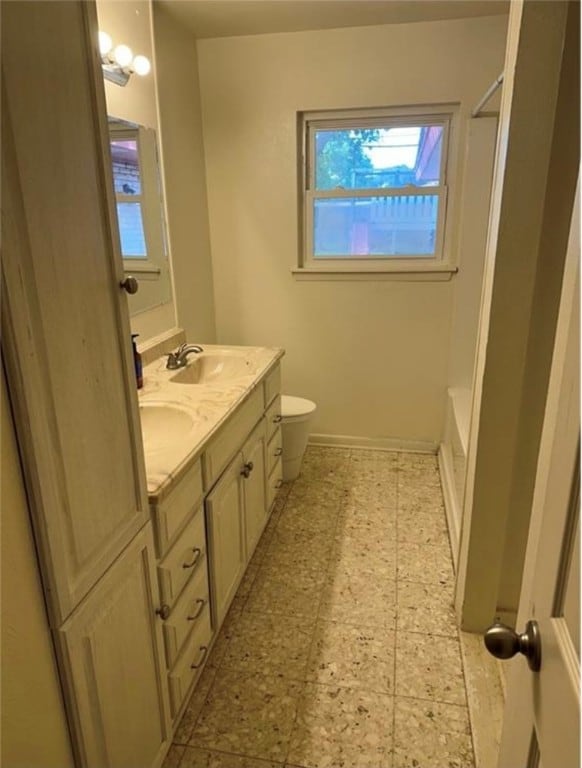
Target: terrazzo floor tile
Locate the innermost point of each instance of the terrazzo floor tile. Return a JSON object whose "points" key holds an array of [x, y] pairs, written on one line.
{"points": [[346, 655], [360, 598], [407, 460], [277, 593], [248, 715], [424, 496], [372, 492], [429, 667], [353, 554], [343, 727], [174, 756], [195, 705], [356, 524], [431, 735], [426, 608], [203, 758], [270, 645], [422, 527], [312, 519], [424, 564], [290, 552]]}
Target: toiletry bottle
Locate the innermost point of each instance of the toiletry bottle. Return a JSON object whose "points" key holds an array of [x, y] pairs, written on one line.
{"points": [[137, 361]]}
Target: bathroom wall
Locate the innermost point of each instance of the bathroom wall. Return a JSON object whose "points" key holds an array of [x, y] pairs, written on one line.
{"points": [[373, 354], [33, 725], [181, 126]]}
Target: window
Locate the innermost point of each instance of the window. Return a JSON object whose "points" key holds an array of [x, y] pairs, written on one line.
{"points": [[137, 195], [375, 190]]}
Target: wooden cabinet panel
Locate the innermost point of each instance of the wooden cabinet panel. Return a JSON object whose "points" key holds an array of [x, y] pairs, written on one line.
{"points": [[274, 482], [272, 384], [190, 663], [255, 512], [186, 615], [116, 675], [273, 417], [224, 521], [274, 449], [66, 334], [172, 511]]}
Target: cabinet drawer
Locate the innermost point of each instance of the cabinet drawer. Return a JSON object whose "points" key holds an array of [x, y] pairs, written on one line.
{"points": [[187, 614], [223, 447], [190, 662], [184, 559], [273, 416], [272, 385], [274, 449], [171, 513], [274, 482]]}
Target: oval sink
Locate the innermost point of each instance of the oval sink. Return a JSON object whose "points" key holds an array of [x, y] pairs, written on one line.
{"points": [[215, 367], [163, 425]]}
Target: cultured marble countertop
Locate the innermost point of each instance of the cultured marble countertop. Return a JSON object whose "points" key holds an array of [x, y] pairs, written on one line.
{"points": [[209, 405]]}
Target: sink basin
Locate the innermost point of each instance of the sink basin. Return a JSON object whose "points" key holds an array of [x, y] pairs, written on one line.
{"points": [[163, 425], [215, 367]]}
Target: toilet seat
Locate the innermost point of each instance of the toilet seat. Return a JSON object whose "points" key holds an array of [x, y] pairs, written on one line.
{"points": [[296, 408]]}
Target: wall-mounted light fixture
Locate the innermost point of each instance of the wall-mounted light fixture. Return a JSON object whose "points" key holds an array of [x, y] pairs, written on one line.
{"points": [[119, 62]]}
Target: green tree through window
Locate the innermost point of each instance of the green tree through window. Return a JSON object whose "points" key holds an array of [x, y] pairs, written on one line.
{"points": [[340, 157]]}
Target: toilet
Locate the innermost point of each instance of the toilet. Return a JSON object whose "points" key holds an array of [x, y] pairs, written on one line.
{"points": [[296, 414]]}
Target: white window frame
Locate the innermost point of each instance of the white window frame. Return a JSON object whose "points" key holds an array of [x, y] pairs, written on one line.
{"points": [[310, 122], [149, 200]]}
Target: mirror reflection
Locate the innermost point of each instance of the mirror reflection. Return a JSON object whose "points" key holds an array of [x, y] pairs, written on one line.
{"points": [[140, 212]]}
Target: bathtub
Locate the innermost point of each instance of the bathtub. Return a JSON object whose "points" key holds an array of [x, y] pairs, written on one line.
{"points": [[453, 460]]}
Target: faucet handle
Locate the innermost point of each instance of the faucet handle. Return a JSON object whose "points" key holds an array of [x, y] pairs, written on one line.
{"points": [[172, 361]]}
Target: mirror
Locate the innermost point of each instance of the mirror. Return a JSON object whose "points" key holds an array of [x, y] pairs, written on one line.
{"points": [[140, 212]]}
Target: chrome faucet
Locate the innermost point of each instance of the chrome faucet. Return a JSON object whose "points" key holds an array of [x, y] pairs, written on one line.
{"points": [[179, 358]]}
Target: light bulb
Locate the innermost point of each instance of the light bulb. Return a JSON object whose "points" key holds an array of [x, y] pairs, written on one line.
{"points": [[105, 43], [123, 55], [141, 65]]}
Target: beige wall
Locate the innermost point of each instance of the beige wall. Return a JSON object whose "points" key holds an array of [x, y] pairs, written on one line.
{"points": [[33, 726], [372, 354], [181, 127]]}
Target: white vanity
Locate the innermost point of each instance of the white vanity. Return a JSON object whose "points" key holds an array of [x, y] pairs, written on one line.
{"points": [[212, 445]]}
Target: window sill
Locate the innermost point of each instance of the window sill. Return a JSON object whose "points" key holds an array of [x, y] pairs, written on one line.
{"points": [[435, 273]]}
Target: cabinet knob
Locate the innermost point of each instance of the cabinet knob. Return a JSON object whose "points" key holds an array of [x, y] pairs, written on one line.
{"points": [[247, 469], [164, 612], [130, 284], [278, 452], [277, 418]]}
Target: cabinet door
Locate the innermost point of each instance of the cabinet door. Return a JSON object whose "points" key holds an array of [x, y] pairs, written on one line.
{"points": [[255, 507], [66, 334], [224, 525], [115, 675]]}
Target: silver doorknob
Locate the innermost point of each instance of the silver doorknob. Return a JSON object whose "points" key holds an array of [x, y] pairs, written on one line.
{"points": [[504, 642], [130, 284]]}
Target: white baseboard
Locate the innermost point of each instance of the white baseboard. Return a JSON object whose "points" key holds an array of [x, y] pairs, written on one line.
{"points": [[452, 507], [373, 443]]}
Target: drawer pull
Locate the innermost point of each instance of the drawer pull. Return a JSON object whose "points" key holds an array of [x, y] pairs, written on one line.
{"points": [[201, 603], [204, 649], [197, 554], [278, 452], [164, 612], [247, 469], [278, 418], [278, 484]]}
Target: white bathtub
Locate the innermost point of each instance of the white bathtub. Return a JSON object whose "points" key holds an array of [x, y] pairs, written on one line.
{"points": [[453, 460]]}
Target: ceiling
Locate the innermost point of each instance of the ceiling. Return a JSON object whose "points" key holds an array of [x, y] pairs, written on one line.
{"points": [[226, 18]]}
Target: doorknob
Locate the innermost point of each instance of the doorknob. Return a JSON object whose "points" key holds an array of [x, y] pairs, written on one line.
{"points": [[503, 643], [130, 284]]}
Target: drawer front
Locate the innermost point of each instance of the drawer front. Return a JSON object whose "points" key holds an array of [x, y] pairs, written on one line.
{"points": [[274, 482], [172, 512], [274, 449], [187, 614], [228, 441], [190, 662], [272, 385], [184, 559], [273, 416]]}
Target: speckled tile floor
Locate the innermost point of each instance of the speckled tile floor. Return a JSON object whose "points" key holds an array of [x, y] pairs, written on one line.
{"points": [[340, 649]]}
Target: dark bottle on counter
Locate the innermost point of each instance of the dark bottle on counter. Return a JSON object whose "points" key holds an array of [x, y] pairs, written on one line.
{"points": [[137, 361]]}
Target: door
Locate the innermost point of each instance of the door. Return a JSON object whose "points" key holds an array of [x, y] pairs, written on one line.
{"points": [[224, 524], [542, 714], [113, 644], [66, 334]]}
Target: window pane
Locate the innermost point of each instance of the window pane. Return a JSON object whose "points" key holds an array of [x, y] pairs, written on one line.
{"points": [[126, 176], [131, 231], [371, 158], [404, 225]]}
